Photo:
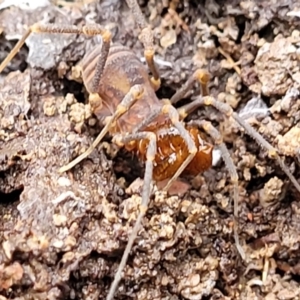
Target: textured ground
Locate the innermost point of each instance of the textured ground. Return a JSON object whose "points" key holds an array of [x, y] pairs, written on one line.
{"points": [[62, 236]]}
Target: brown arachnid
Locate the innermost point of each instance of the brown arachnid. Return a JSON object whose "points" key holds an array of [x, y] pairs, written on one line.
{"points": [[123, 98]]}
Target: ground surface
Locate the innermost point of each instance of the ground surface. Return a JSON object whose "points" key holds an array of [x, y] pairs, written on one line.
{"points": [[62, 236]]}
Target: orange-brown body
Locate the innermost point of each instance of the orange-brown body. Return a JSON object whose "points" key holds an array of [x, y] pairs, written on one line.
{"points": [[123, 69]]}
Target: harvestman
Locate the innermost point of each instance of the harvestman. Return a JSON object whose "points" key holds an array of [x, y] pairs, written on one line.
{"points": [[123, 97]]}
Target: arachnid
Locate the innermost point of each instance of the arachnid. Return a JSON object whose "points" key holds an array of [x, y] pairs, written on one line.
{"points": [[123, 97]]}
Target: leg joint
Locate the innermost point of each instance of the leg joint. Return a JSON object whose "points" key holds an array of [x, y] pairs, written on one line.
{"points": [[95, 29], [202, 76], [169, 110], [272, 153], [137, 91]]}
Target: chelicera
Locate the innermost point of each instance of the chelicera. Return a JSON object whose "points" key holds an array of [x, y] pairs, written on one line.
{"points": [[122, 96]]}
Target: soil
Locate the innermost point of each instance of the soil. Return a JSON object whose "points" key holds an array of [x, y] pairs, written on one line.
{"points": [[62, 235]]}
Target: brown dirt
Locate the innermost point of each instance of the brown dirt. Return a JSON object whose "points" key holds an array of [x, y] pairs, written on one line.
{"points": [[62, 236]]}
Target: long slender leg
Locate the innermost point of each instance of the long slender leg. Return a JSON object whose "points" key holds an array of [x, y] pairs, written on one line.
{"points": [[174, 117], [215, 134], [131, 97], [188, 108], [150, 155], [146, 38], [89, 30], [199, 75], [228, 111]]}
